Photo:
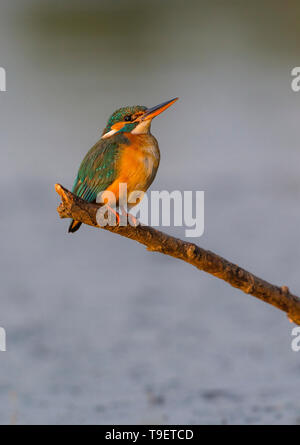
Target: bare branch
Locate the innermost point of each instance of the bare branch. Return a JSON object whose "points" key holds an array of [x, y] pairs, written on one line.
{"points": [[280, 297]]}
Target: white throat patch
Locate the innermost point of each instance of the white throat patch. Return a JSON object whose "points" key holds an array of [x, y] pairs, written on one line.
{"points": [[142, 128]]}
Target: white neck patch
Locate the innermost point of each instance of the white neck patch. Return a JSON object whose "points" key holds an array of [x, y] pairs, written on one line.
{"points": [[108, 134]]}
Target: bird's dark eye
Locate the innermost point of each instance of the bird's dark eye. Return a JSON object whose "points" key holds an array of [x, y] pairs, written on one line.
{"points": [[127, 118]]}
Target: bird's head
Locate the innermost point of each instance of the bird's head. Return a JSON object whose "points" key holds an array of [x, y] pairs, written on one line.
{"points": [[136, 119]]}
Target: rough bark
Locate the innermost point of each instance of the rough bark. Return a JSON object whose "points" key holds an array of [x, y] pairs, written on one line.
{"points": [[155, 240]]}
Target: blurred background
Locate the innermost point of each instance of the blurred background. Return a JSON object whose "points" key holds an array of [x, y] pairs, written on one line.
{"points": [[98, 329]]}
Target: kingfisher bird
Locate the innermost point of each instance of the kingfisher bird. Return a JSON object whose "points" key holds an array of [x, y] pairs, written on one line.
{"points": [[126, 153]]}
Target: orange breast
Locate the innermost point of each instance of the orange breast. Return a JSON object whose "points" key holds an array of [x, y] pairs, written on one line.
{"points": [[138, 164]]}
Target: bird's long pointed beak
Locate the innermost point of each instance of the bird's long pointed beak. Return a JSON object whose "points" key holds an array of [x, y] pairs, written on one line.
{"points": [[150, 113]]}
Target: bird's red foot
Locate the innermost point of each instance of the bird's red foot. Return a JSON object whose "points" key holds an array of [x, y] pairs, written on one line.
{"points": [[131, 219], [114, 212]]}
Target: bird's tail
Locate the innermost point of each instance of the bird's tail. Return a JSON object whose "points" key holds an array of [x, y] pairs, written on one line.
{"points": [[74, 226]]}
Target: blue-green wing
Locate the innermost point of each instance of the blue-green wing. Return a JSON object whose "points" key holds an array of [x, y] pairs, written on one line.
{"points": [[99, 168]]}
